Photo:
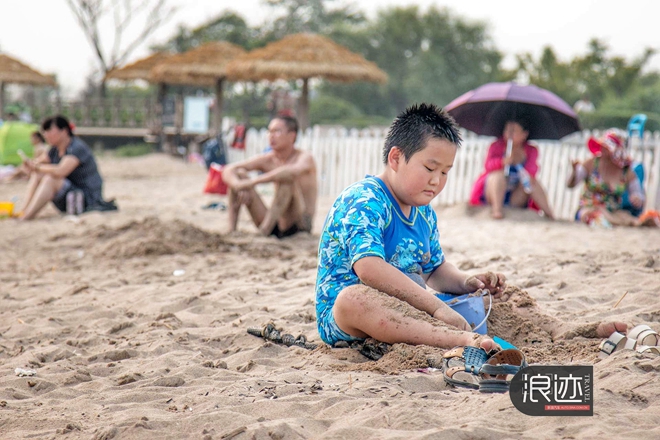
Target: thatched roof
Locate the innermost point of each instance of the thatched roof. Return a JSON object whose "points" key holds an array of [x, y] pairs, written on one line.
{"points": [[201, 66], [140, 69], [304, 56], [13, 71]]}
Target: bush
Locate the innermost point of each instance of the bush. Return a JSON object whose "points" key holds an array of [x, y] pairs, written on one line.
{"points": [[133, 150], [330, 109], [604, 119]]}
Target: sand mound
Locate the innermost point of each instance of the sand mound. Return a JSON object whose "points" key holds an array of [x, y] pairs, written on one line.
{"points": [[152, 237]]}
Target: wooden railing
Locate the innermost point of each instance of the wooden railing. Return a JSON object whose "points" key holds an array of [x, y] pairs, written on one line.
{"points": [[96, 112], [346, 156]]}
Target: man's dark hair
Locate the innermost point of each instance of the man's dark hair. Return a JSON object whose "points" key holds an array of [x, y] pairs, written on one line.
{"points": [[416, 125], [60, 122], [290, 122]]}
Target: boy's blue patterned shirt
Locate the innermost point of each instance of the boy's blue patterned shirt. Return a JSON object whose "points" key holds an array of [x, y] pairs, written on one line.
{"points": [[366, 220]]}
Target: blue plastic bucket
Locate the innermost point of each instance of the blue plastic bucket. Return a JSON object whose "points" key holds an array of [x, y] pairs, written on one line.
{"points": [[470, 307]]}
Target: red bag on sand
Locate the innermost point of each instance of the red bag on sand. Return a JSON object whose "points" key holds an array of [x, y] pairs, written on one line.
{"points": [[214, 182]]}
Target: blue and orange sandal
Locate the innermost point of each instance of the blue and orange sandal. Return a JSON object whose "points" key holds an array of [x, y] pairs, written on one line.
{"points": [[472, 367]]}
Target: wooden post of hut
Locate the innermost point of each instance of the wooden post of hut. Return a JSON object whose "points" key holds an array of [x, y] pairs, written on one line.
{"points": [[303, 106], [160, 112], [217, 111]]}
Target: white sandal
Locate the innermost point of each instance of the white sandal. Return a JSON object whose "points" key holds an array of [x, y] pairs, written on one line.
{"points": [[615, 342], [644, 335]]}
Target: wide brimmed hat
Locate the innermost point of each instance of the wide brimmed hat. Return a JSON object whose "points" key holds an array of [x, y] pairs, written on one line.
{"points": [[612, 139], [615, 142]]}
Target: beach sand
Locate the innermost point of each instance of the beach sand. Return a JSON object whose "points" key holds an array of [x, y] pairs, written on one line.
{"points": [[124, 348]]}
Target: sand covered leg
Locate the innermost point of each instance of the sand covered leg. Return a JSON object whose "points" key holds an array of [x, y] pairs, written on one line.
{"points": [[362, 311]]}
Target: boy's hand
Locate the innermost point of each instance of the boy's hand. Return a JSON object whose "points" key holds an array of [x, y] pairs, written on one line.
{"points": [[493, 282]]}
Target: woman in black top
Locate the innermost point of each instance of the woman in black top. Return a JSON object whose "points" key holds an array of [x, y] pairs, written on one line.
{"points": [[69, 166]]}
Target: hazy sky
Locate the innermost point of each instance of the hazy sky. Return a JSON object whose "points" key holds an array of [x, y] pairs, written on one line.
{"points": [[44, 34]]}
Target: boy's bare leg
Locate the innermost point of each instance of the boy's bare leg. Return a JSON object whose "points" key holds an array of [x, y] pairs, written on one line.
{"points": [[495, 190], [44, 193], [365, 312]]}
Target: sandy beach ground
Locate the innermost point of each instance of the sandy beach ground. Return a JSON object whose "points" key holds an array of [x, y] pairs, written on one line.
{"points": [[125, 349]]}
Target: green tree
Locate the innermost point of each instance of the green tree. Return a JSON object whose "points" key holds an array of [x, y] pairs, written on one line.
{"points": [[228, 26], [595, 74], [433, 56], [307, 16]]}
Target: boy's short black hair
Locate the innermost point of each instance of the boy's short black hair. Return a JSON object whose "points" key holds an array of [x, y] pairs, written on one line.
{"points": [[415, 125]]}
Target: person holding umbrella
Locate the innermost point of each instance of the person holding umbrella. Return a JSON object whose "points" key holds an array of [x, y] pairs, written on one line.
{"points": [[509, 177], [515, 113]]}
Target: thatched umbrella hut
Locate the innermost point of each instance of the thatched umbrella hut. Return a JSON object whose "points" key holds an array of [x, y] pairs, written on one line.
{"points": [[304, 56], [204, 65], [14, 71], [139, 69]]}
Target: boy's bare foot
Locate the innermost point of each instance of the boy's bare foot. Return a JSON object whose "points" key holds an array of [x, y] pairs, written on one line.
{"points": [[483, 341], [605, 329]]}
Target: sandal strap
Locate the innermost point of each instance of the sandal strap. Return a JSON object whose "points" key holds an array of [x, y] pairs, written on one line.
{"points": [[615, 342], [504, 362], [648, 349], [637, 330], [473, 357], [647, 337], [496, 370], [493, 386], [449, 373]]}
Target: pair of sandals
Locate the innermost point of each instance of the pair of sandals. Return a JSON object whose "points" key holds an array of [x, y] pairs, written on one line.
{"points": [[641, 338], [472, 367]]}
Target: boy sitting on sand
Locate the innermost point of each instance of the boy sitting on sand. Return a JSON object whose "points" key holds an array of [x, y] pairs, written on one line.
{"points": [[380, 248]]}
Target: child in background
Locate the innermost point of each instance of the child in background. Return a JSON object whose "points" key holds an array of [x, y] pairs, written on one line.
{"points": [[39, 148], [380, 247]]}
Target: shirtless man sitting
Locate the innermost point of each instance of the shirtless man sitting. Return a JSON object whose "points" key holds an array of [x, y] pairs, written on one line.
{"points": [[292, 171]]}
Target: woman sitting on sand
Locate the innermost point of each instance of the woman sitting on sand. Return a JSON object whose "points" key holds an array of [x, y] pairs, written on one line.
{"points": [[68, 166], [518, 187], [606, 176]]}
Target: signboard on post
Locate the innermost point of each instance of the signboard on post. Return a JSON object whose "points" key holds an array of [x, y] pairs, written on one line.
{"points": [[196, 114]]}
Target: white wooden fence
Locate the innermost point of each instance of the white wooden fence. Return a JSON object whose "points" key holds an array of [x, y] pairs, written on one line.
{"points": [[346, 156]]}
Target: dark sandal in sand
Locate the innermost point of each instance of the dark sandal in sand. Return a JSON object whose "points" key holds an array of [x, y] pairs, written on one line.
{"points": [[472, 367], [499, 369]]}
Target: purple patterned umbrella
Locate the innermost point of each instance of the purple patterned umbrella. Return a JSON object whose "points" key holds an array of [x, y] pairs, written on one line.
{"points": [[486, 109]]}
